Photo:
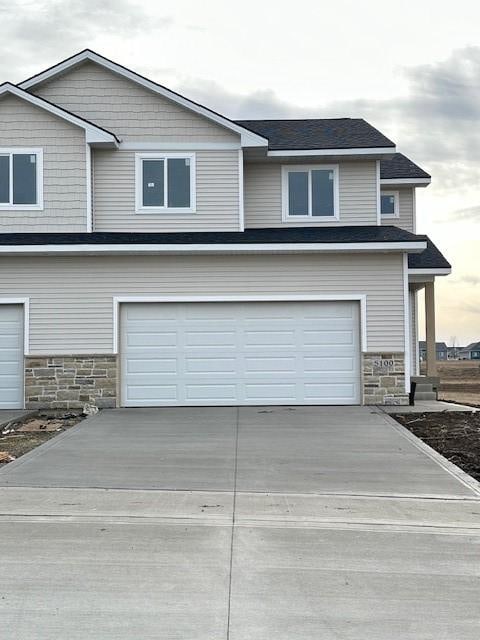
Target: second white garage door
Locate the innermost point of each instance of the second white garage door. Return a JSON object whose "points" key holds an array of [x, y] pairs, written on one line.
{"points": [[246, 353]]}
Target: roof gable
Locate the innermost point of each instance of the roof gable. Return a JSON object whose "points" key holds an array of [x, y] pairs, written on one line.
{"points": [[93, 133], [248, 138]]}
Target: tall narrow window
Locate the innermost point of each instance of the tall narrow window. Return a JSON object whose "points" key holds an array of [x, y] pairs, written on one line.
{"points": [[310, 192], [165, 183], [20, 179]]}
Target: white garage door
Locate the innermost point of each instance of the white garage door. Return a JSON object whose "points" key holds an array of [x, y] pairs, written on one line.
{"points": [[228, 353], [11, 356]]}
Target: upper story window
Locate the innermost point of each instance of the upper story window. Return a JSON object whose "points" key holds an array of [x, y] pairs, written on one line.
{"points": [[310, 192], [389, 204], [165, 183], [21, 178]]}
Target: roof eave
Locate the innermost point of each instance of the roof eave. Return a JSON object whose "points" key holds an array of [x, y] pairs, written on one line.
{"points": [[406, 182], [226, 248], [373, 153]]}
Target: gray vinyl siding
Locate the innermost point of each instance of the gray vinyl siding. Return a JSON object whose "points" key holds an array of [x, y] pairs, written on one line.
{"points": [[406, 209], [217, 191], [127, 109], [71, 308], [64, 177], [263, 195]]}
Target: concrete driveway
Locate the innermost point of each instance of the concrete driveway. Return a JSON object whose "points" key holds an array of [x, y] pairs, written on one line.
{"points": [[250, 523]]}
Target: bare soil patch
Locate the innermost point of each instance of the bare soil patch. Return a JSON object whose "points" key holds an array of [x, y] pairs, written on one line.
{"points": [[460, 381], [19, 437], [454, 434]]}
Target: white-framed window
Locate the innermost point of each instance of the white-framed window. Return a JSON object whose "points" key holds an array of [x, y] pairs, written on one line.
{"points": [[21, 178], [165, 183], [389, 206], [310, 192]]}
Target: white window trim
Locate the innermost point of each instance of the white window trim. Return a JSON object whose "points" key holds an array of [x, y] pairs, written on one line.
{"points": [[39, 165], [286, 169], [139, 208], [396, 204]]}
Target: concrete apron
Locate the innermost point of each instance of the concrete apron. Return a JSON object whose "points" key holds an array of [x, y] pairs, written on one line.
{"points": [[238, 563]]}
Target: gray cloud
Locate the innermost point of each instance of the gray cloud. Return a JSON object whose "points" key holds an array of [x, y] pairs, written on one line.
{"points": [[53, 29], [470, 279], [437, 121], [470, 214]]}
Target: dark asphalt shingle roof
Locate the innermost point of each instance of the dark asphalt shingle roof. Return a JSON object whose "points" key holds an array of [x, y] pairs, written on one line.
{"points": [[431, 258], [473, 346], [401, 167], [372, 233], [324, 133], [333, 133]]}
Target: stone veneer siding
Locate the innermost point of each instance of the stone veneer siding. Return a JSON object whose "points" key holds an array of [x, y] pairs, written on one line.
{"points": [[70, 382], [384, 378]]}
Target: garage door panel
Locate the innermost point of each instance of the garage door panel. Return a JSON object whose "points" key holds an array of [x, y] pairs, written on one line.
{"points": [[147, 392], [241, 353], [272, 338], [205, 392], [210, 338], [320, 363], [151, 365], [271, 392], [333, 338], [11, 356], [273, 365], [211, 365]]}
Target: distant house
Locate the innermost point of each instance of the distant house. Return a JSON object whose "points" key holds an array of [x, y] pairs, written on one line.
{"points": [[453, 353], [441, 349], [470, 352]]}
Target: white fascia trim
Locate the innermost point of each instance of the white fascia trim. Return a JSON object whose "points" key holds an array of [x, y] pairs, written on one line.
{"points": [[378, 195], [241, 204], [310, 247], [92, 133], [248, 138], [179, 146], [412, 181], [429, 272], [26, 319], [331, 152], [353, 297], [406, 322]]}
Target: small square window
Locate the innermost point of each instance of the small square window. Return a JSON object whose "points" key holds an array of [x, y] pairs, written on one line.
{"points": [[389, 204]]}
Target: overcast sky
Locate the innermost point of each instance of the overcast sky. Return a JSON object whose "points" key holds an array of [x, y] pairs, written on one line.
{"points": [[411, 69]]}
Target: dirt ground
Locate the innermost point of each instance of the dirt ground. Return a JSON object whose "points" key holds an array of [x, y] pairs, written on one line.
{"points": [[454, 434], [18, 438], [460, 381]]}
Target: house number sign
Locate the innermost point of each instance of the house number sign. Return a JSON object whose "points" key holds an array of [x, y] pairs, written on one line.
{"points": [[384, 364]]}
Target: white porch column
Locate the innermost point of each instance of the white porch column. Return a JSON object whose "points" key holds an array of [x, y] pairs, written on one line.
{"points": [[430, 329]]}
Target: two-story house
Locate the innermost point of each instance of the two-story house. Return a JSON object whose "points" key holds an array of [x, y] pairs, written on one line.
{"points": [[154, 252]]}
